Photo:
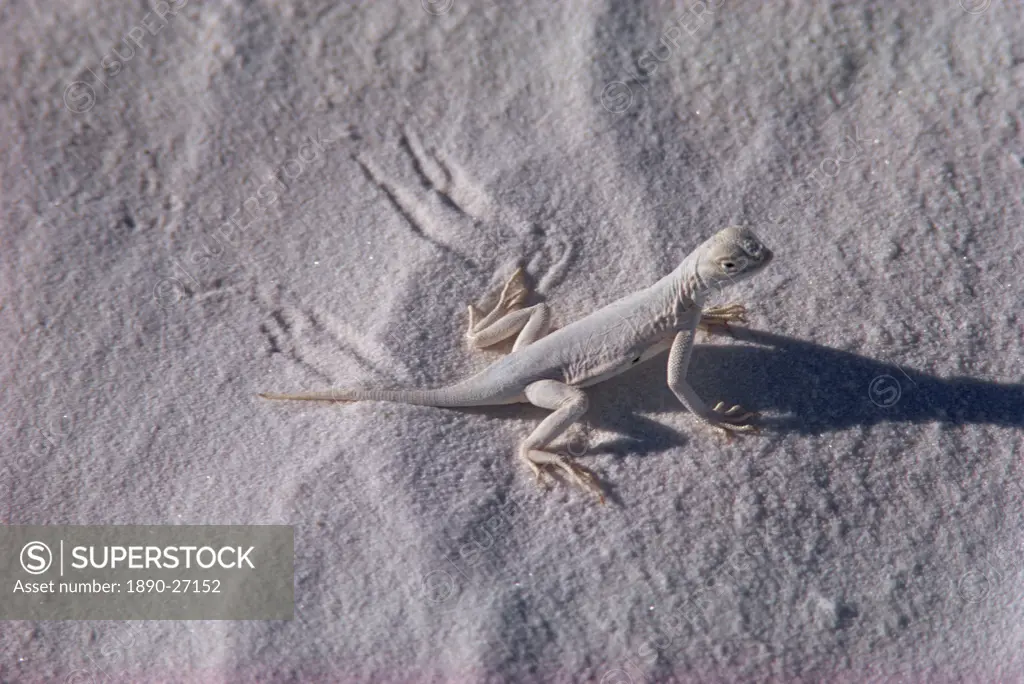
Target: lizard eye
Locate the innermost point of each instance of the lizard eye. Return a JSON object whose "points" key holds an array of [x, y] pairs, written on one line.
{"points": [[729, 266]]}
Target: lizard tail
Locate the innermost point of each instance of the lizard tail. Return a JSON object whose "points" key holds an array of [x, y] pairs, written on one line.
{"points": [[432, 397]]}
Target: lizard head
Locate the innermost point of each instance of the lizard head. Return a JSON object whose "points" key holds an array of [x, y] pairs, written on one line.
{"points": [[731, 255]]}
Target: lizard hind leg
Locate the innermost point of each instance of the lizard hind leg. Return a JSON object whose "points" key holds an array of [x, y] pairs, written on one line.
{"points": [[508, 318], [568, 405], [512, 297]]}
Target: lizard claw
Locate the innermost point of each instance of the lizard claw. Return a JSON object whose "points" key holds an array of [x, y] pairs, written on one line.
{"points": [[733, 419], [539, 475], [586, 480], [542, 462], [512, 297], [735, 413], [716, 320], [514, 293]]}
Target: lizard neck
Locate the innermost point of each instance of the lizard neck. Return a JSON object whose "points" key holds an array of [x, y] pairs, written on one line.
{"points": [[688, 284], [680, 292]]}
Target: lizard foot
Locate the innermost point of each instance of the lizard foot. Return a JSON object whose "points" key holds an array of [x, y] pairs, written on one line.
{"points": [[544, 462], [732, 419], [513, 296], [716, 319], [515, 291]]}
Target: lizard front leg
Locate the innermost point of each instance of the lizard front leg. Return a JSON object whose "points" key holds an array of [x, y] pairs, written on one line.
{"points": [[568, 404], [730, 419], [716, 319]]}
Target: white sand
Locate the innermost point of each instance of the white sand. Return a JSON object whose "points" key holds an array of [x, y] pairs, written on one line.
{"points": [[877, 151]]}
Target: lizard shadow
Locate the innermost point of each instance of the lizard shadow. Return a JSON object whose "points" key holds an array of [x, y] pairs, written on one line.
{"points": [[799, 387]]}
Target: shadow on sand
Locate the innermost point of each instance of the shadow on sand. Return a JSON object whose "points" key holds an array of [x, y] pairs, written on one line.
{"points": [[798, 387]]}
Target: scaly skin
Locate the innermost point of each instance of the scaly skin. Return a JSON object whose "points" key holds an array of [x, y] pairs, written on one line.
{"points": [[549, 370]]}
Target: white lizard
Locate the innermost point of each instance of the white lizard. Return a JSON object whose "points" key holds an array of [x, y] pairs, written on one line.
{"points": [[549, 370]]}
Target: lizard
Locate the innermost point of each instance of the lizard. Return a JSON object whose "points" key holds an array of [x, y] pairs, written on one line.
{"points": [[551, 370]]}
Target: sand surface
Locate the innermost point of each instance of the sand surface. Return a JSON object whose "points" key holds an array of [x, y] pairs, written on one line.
{"points": [[285, 196]]}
